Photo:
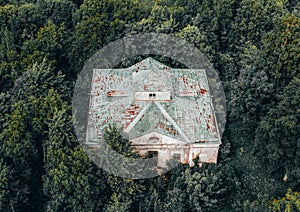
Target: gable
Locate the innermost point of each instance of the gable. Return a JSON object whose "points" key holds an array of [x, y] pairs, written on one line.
{"points": [[155, 138]]}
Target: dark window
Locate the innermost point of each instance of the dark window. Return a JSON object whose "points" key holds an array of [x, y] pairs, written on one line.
{"points": [[154, 154], [177, 157], [152, 95]]}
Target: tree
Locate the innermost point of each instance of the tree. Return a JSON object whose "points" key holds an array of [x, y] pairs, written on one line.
{"points": [[116, 204], [66, 182], [9, 67], [279, 133], [291, 202], [51, 43], [20, 154], [57, 11], [23, 133], [126, 193], [5, 170]]}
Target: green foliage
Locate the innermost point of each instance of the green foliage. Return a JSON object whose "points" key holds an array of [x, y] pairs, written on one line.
{"points": [[192, 34], [129, 11], [66, 179], [57, 11], [279, 133], [5, 173], [116, 205], [14, 2], [114, 137], [162, 19], [291, 202], [283, 49], [51, 42], [22, 137], [23, 20], [254, 46], [9, 67]]}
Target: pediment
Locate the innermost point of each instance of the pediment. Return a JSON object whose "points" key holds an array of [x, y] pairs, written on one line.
{"points": [[155, 138]]}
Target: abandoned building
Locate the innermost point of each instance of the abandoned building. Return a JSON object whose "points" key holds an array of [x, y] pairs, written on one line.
{"points": [[166, 112]]}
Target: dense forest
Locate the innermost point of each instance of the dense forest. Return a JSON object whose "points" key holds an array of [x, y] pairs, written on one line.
{"points": [[255, 48]]}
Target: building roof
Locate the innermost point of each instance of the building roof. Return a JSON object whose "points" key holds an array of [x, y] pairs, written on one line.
{"points": [[152, 97]]}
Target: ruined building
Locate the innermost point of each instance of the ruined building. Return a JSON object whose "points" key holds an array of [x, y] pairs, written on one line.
{"points": [[165, 112]]}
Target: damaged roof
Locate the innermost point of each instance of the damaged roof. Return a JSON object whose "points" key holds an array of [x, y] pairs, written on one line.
{"points": [[152, 97]]}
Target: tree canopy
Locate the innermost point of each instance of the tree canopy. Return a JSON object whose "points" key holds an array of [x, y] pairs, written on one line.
{"points": [[253, 45]]}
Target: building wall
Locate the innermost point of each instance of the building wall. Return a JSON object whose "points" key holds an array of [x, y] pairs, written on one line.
{"points": [[167, 148]]}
